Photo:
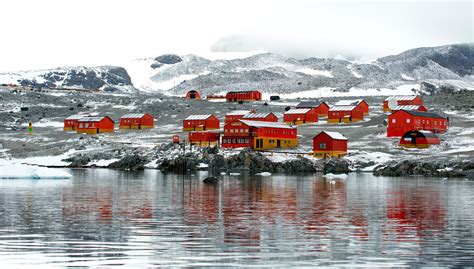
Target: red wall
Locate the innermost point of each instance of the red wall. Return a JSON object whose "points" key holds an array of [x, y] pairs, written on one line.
{"points": [[331, 144], [203, 136], [70, 123], [230, 118], [323, 108], [243, 96], [147, 120], [364, 106], [356, 113], [311, 116], [210, 123], [105, 123], [398, 125]]}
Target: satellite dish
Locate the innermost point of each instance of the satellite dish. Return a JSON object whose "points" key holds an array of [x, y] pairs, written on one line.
{"points": [[392, 103]]}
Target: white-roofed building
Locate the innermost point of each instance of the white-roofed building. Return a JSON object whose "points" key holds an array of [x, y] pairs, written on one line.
{"points": [[137, 121], [392, 102], [329, 145], [298, 116], [201, 123]]}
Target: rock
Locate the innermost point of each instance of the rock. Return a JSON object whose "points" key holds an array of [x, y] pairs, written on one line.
{"points": [[416, 168], [211, 180], [24, 108], [168, 59], [77, 161], [336, 166], [131, 162]]}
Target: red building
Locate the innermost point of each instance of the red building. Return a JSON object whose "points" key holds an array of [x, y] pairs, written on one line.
{"points": [[419, 139], [203, 138], [270, 117], [359, 102], [406, 100], [193, 94], [236, 115], [421, 108], [95, 125], [71, 122], [403, 121], [137, 121], [329, 145], [200, 123], [339, 114], [300, 116], [322, 108], [243, 96], [259, 135]]}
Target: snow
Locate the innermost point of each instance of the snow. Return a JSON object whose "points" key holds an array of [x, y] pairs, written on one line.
{"points": [[264, 174], [202, 165], [335, 176], [102, 163], [46, 123], [357, 75], [16, 171], [315, 72], [405, 77]]}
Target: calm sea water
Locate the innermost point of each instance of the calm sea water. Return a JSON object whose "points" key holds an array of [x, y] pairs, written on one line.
{"points": [[143, 219]]}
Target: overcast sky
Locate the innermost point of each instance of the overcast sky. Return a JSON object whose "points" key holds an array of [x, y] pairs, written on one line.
{"points": [[50, 33]]}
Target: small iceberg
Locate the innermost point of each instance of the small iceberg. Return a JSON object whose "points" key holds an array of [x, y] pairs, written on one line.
{"points": [[202, 166], [17, 171], [234, 174], [335, 176], [264, 174]]}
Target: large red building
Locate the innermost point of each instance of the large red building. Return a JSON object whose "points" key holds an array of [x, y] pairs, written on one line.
{"points": [[137, 121], [358, 102], [403, 121], [339, 114], [95, 125], [259, 135], [71, 122], [401, 101], [236, 115], [322, 108], [300, 116], [203, 138], [329, 145], [419, 139], [201, 123], [236, 96], [269, 116]]}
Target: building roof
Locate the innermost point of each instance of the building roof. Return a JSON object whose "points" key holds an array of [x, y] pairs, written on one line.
{"points": [[92, 119], [342, 108], [261, 124], [133, 116], [423, 114], [256, 115], [407, 107], [198, 117], [348, 102], [76, 117], [238, 112], [308, 104], [401, 97], [334, 135], [297, 111], [243, 91]]}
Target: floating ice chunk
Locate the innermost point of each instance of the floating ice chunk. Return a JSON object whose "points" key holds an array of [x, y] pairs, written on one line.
{"points": [[31, 172], [335, 176], [202, 165], [264, 174], [234, 174]]}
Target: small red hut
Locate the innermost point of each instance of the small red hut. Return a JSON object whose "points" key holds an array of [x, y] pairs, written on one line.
{"points": [[137, 121], [300, 116], [339, 114], [200, 123], [236, 115], [401, 101], [95, 125], [203, 138], [358, 102], [193, 95], [71, 122], [329, 145], [236, 96], [403, 121], [322, 108], [419, 139], [269, 117]]}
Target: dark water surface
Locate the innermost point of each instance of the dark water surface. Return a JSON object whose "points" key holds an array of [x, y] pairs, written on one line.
{"points": [[143, 219]]}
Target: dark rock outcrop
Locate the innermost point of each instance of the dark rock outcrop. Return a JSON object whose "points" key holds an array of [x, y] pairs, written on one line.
{"points": [[77, 161], [168, 59], [416, 168], [211, 180], [130, 162], [336, 166]]}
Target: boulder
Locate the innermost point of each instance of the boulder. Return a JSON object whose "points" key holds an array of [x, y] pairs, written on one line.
{"points": [[77, 161], [211, 180], [130, 162]]}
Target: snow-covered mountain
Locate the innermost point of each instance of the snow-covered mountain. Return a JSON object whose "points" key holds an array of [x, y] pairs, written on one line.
{"points": [[106, 78], [451, 65]]}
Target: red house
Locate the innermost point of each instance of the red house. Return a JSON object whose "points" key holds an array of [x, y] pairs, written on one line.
{"points": [[405, 100], [236, 96], [419, 139], [421, 108], [193, 94], [71, 122], [359, 102], [270, 117], [259, 135], [137, 121], [204, 138], [200, 123], [329, 145], [339, 114], [236, 115], [403, 121], [95, 125], [300, 116], [322, 108]]}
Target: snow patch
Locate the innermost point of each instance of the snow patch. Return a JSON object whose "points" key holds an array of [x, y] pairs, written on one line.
{"points": [[405, 77], [314, 72], [16, 171]]}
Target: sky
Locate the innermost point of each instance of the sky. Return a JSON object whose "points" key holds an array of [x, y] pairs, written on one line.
{"points": [[39, 34]]}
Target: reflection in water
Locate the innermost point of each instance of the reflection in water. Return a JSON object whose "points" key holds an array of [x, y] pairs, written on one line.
{"points": [[106, 217]]}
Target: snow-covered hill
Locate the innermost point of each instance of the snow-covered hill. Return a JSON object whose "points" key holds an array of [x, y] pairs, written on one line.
{"points": [[451, 65], [106, 78]]}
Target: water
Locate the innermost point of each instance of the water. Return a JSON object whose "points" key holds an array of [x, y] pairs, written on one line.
{"points": [[143, 219]]}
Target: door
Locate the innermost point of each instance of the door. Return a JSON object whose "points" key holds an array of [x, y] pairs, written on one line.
{"points": [[192, 96], [278, 143], [97, 130]]}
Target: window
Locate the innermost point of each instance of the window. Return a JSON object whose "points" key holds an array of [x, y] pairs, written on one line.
{"points": [[322, 145], [394, 120], [408, 120], [231, 130], [80, 125], [87, 125]]}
